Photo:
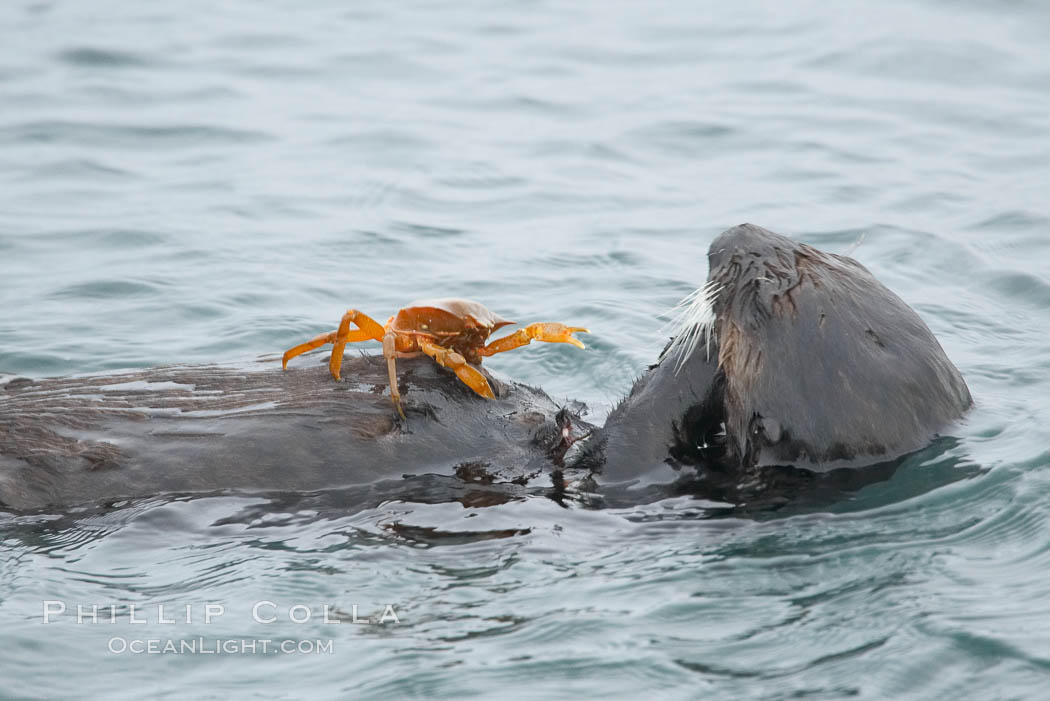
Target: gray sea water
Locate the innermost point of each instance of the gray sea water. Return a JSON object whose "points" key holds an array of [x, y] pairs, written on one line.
{"points": [[199, 181]]}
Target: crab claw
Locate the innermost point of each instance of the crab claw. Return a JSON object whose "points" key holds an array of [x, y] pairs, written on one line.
{"points": [[547, 331], [560, 333]]}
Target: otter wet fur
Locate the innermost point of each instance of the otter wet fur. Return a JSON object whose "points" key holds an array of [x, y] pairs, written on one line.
{"points": [[788, 360]]}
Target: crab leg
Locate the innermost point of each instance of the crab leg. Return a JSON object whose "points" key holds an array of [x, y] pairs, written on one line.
{"points": [[342, 336], [352, 337], [549, 332], [390, 353], [467, 373]]}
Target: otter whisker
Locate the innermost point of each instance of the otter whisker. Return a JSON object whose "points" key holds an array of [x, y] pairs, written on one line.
{"points": [[854, 246], [691, 320]]}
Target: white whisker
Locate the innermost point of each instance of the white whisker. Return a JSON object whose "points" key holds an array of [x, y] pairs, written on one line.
{"points": [[856, 244], [692, 319]]}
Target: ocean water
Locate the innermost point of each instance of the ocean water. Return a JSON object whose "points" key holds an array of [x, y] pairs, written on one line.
{"points": [[196, 182]]}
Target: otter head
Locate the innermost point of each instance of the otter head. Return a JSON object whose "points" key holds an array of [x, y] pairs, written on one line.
{"points": [[789, 356]]}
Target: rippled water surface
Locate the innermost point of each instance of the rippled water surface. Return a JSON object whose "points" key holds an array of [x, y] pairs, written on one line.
{"points": [[196, 182]]}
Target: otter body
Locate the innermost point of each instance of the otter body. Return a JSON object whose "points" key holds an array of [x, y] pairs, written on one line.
{"points": [[256, 429]]}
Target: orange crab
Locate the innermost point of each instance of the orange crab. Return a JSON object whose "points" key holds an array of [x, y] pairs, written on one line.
{"points": [[451, 331]]}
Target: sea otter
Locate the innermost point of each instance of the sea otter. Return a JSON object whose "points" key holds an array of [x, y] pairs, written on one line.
{"points": [[788, 359], [789, 356]]}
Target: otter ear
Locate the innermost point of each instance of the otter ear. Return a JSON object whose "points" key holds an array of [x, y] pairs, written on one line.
{"points": [[770, 428]]}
